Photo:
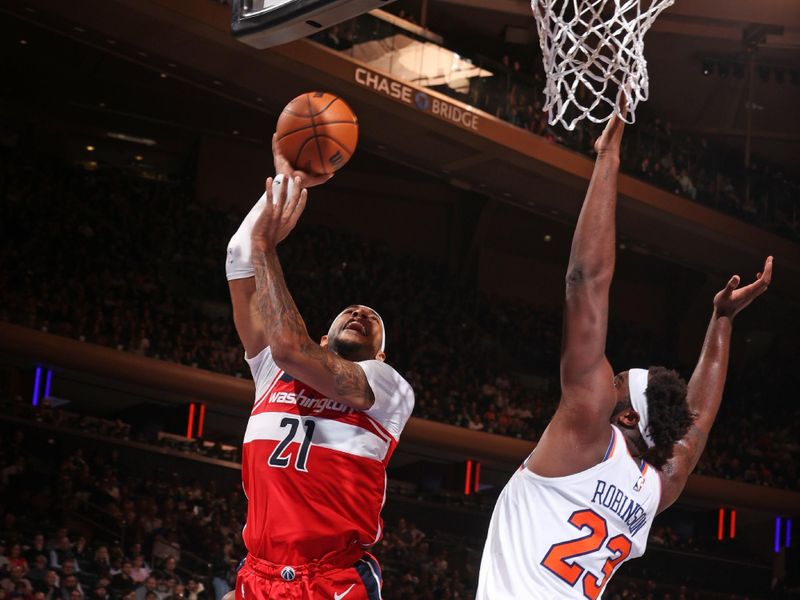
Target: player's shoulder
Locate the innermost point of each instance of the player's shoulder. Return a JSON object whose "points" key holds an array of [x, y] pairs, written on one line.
{"points": [[386, 374]]}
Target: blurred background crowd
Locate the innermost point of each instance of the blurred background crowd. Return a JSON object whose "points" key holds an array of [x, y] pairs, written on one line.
{"points": [[157, 288]]}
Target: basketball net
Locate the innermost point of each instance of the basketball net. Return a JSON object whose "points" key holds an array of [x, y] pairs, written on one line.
{"points": [[593, 57]]}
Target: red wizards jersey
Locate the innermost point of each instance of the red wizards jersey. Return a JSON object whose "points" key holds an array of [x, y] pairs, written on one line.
{"points": [[313, 469]]}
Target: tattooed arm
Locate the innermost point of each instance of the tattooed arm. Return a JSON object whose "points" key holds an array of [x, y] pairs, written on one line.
{"points": [[283, 327], [708, 381], [238, 267]]}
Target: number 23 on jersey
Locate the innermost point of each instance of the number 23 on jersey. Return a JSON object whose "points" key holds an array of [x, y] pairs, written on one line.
{"points": [[555, 560]]}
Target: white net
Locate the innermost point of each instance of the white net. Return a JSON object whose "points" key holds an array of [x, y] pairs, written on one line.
{"points": [[593, 53]]}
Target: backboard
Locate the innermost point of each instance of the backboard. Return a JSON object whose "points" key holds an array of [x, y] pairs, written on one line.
{"points": [[267, 23]]}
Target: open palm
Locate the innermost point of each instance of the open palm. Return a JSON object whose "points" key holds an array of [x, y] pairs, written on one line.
{"points": [[732, 299]]}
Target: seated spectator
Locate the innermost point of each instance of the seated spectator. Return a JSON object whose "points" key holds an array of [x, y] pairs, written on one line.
{"points": [[178, 592], [80, 552], [168, 571], [166, 587], [50, 586], [15, 581], [36, 548], [101, 563], [38, 571], [195, 590], [100, 593], [62, 552], [69, 567], [224, 570], [123, 582], [150, 586], [140, 570], [70, 587]]}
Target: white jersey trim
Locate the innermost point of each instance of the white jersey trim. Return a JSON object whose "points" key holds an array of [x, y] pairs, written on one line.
{"points": [[328, 433]]}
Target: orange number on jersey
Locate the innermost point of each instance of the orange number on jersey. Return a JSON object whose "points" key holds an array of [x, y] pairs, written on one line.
{"points": [[591, 587], [555, 559]]}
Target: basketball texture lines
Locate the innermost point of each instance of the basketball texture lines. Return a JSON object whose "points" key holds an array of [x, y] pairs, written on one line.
{"points": [[317, 132]]}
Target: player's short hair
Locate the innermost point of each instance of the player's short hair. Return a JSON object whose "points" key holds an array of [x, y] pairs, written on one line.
{"points": [[668, 412]]}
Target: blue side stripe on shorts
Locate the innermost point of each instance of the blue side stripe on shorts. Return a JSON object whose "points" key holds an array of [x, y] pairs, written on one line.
{"points": [[370, 573]]}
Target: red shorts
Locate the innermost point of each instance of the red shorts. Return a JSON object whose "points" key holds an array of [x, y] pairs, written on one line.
{"points": [[349, 575]]}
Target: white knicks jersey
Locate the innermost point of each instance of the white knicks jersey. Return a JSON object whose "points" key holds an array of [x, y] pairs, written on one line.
{"points": [[564, 537]]}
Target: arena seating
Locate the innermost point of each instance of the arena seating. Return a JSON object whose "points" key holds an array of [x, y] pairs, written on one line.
{"points": [[88, 520]]}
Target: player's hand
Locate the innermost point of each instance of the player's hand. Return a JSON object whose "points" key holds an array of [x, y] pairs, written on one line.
{"points": [[730, 300], [279, 216], [283, 166]]}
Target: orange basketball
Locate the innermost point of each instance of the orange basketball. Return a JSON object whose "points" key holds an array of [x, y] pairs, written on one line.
{"points": [[317, 133]]}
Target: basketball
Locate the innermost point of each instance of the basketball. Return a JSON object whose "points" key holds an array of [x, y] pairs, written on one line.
{"points": [[317, 132]]}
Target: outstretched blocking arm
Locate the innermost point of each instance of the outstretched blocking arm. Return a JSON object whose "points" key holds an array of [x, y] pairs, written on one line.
{"points": [[585, 372], [708, 382], [579, 431]]}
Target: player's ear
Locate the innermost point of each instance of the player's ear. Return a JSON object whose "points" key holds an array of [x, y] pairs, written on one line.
{"points": [[628, 418], [381, 356], [324, 341]]}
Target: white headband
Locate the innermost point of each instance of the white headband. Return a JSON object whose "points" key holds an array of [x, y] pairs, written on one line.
{"points": [[377, 314], [637, 384]]}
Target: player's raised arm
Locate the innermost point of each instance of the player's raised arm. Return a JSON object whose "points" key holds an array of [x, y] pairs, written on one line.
{"points": [[588, 280], [579, 432], [239, 269], [708, 381], [284, 330]]}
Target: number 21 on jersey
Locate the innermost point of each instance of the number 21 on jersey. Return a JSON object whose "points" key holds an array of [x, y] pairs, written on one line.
{"points": [[279, 457], [555, 560]]}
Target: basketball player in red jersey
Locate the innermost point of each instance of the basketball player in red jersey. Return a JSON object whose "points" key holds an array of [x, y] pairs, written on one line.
{"points": [[326, 420], [584, 500]]}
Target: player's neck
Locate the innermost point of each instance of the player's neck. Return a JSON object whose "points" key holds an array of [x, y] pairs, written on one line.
{"points": [[351, 352]]}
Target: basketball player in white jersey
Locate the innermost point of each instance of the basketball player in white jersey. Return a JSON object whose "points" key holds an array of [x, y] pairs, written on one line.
{"points": [[326, 420], [619, 449]]}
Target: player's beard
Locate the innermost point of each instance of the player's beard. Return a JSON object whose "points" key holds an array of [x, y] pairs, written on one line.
{"points": [[353, 351]]}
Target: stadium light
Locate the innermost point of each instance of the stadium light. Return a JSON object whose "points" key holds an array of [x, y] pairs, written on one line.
{"points": [[36, 382]]}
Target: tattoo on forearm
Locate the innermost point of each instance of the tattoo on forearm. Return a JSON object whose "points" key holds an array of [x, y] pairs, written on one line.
{"points": [[349, 379], [281, 319], [275, 303]]}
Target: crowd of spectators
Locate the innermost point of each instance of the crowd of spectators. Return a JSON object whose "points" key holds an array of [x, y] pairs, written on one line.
{"points": [[156, 287], [690, 166], [78, 526]]}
